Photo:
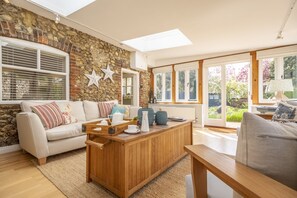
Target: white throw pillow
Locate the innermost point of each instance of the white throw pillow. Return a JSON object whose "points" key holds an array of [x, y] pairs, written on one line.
{"points": [[78, 110], [66, 110], [91, 110], [269, 147]]}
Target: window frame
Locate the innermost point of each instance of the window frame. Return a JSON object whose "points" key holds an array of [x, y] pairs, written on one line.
{"points": [[163, 98], [187, 81], [279, 72], [39, 48]]}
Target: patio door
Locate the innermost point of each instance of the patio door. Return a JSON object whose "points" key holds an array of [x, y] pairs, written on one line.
{"points": [[215, 96], [227, 93]]}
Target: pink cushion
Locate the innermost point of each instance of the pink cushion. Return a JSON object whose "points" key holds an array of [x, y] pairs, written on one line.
{"points": [[105, 108], [49, 114]]}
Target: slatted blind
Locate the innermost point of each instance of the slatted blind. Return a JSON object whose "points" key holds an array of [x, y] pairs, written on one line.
{"points": [[52, 62], [17, 56], [29, 85]]}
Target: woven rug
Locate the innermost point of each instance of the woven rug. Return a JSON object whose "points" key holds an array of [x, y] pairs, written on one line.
{"points": [[68, 173]]}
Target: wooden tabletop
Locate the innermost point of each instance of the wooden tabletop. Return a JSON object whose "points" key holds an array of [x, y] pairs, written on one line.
{"points": [[241, 178], [155, 129]]}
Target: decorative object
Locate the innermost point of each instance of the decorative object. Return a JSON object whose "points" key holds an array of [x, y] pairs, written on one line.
{"points": [[144, 122], [151, 115], [161, 118], [279, 87], [284, 111], [93, 78], [105, 108], [108, 73], [117, 118], [49, 114]]}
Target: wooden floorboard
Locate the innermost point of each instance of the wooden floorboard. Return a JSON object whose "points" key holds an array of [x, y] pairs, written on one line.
{"points": [[20, 178]]}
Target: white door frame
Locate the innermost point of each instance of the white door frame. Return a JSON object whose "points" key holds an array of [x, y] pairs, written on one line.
{"points": [[135, 85]]}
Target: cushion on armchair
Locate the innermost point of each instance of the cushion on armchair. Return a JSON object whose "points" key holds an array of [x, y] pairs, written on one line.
{"points": [[269, 147]]}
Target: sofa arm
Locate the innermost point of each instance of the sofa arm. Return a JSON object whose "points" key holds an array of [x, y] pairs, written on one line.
{"points": [[32, 134], [244, 180]]}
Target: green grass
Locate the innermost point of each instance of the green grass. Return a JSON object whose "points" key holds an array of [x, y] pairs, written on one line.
{"points": [[233, 114]]}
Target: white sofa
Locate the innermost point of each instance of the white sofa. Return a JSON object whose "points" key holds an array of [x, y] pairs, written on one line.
{"points": [[41, 143]]}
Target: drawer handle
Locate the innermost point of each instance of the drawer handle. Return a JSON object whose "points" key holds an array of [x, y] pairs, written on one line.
{"points": [[96, 144]]}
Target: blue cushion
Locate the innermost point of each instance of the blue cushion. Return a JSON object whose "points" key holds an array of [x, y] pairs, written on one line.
{"points": [[117, 108]]}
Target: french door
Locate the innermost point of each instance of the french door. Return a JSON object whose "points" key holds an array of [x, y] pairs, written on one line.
{"points": [[227, 93]]}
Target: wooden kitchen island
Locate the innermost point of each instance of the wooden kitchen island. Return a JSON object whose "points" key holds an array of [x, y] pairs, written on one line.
{"points": [[124, 164]]}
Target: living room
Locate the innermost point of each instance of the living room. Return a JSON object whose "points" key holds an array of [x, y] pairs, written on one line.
{"points": [[223, 59]]}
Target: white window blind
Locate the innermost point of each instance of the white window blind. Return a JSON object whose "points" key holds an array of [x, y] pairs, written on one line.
{"points": [[186, 66], [227, 59], [52, 62], [29, 85], [17, 56], [277, 52], [162, 69], [31, 71]]}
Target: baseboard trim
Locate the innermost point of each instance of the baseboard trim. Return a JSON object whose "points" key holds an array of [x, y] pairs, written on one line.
{"points": [[9, 149]]}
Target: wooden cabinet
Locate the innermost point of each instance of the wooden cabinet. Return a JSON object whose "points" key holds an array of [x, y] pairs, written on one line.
{"points": [[125, 164]]}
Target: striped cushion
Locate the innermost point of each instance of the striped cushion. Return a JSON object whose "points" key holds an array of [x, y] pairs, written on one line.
{"points": [[49, 114], [105, 109]]}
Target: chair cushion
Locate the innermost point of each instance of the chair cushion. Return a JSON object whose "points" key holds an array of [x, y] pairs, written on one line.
{"points": [[64, 131], [91, 110], [269, 147], [49, 114]]}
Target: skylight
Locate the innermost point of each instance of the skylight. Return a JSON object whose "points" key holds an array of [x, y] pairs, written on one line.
{"points": [[62, 7], [162, 40]]}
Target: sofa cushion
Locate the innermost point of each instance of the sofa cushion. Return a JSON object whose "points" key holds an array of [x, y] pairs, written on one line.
{"points": [[66, 110], [49, 114], [26, 105], [269, 147], [124, 109], [284, 111], [105, 108], [78, 110], [133, 111], [64, 131], [91, 109]]}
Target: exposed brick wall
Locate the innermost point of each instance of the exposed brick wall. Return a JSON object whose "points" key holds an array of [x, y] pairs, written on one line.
{"points": [[86, 53]]}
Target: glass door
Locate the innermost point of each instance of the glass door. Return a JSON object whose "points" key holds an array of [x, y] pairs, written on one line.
{"points": [[227, 94], [237, 92], [215, 96]]}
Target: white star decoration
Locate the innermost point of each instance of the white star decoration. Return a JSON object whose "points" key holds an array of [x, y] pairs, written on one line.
{"points": [[93, 79], [108, 73]]}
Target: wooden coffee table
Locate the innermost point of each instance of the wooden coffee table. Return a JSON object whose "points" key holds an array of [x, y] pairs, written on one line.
{"points": [[125, 163]]}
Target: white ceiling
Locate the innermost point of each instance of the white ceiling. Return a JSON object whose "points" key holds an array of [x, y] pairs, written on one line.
{"points": [[214, 26]]}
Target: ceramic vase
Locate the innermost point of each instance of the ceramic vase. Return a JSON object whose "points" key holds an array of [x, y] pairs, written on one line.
{"points": [[151, 115], [145, 122], [161, 118]]}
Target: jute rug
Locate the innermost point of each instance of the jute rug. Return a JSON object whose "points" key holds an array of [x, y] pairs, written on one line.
{"points": [[68, 172]]}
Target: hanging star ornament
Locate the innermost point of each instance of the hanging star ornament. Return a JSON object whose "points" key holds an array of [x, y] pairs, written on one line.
{"points": [[108, 73], [93, 79]]}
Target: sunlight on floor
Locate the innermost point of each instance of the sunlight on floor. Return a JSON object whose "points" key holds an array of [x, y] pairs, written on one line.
{"points": [[222, 142]]}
